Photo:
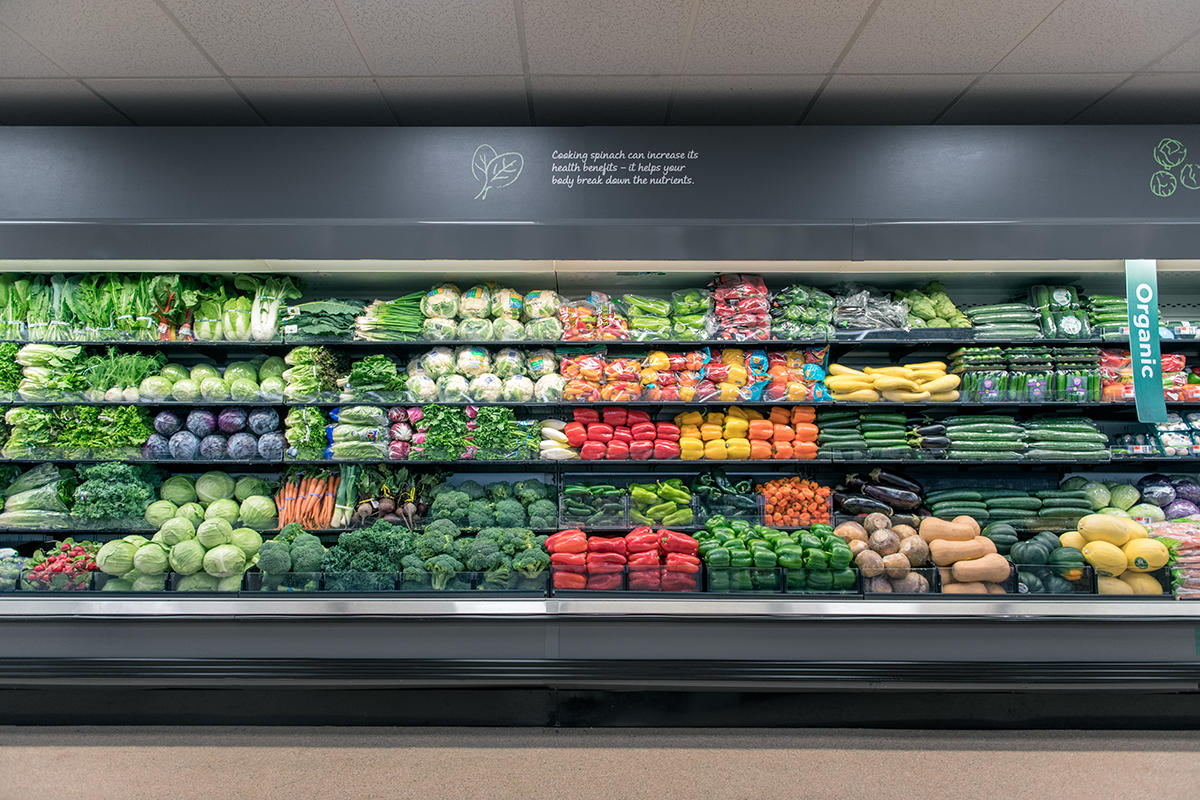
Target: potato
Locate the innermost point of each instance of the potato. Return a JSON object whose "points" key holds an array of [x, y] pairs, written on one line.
{"points": [[878, 585], [884, 542], [876, 522], [915, 549], [912, 583], [850, 531], [857, 546], [896, 565], [870, 562], [904, 531]]}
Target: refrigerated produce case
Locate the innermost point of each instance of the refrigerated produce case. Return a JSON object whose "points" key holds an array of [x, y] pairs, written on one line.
{"points": [[380, 215]]}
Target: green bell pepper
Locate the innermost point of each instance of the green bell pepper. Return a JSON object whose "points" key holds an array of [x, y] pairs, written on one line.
{"points": [[764, 559], [819, 580], [716, 557], [741, 526], [840, 557], [796, 580], [716, 521], [815, 559], [807, 541], [766, 579], [740, 558], [790, 557], [843, 579]]}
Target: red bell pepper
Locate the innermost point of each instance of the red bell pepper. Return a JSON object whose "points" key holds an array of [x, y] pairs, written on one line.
{"points": [[665, 450], [622, 434], [614, 416], [641, 451], [666, 430], [576, 434], [568, 580], [568, 541], [680, 582], [645, 578], [592, 451], [605, 558], [599, 432], [586, 415], [640, 540], [616, 451], [634, 416], [680, 562], [605, 582], [674, 542], [646, 558], [644, 432], [569, 562], [609, 544]]}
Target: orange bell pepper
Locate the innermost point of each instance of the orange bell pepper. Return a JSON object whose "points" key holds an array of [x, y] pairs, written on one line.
{"points": [[783, 433], [805, 432], [783, 450], [780, 415], [804, 450], [761, 429], [710, 431], [760, 449], [803, 414]]}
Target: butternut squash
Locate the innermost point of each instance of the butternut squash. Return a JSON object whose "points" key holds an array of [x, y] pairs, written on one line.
{"points": [[946, 574], [964, 588], [991, 568], [947, 551], [969, 522], [995, 588], [934, 528]]}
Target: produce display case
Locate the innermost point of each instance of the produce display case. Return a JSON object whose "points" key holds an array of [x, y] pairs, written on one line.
{"points": [[634, 618]]}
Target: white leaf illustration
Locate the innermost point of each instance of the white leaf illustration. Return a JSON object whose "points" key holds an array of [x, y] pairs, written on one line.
{"points": [[504, 169], [484, 155]]}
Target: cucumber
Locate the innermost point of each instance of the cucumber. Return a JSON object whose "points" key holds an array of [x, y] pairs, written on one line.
{"points": [[1019, 503], [839, 425], [1061, 494], [982, 445], [1062, 455], [993, 494], [953, 494], [1063, 512], [986, 427], [983, 455], [890, 450], [949, 512], [998, 307], [1069, 447], [938, 508], [1004, 514], [882, 426], [977, 418], [1040, 435]]}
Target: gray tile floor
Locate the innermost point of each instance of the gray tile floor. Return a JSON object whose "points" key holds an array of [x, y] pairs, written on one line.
{"points": [[614, 764]]}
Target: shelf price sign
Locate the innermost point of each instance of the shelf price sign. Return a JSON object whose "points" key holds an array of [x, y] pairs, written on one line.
{"points": [[1141, 291]]}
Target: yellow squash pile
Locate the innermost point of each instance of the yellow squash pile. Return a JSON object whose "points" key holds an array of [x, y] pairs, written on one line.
{"points": [[926, 382]]}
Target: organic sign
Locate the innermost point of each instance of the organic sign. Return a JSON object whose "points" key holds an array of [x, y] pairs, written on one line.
{"points": [[1141, 290]]}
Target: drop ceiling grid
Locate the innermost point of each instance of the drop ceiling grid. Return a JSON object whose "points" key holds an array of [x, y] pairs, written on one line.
{"points": [[512, 62]]}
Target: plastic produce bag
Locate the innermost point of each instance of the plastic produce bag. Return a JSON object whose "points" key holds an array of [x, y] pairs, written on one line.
{"points": [[441, 301], [439, 329], [648, 329], [690, 301], [641, 305], [475, 302]]}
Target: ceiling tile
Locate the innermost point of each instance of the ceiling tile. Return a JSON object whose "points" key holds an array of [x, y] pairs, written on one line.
{"points": [[885, 99], [942, 36], [605, 37], [589, 100], [1185, 58], [771, 36], [106, 38], [176, 101], [1168, 97], [19, 60], [53, 101], [1104, 36], [498, 100], [742, 99], [436, 38], [1029, 99], [316, 101], [267, 38]]}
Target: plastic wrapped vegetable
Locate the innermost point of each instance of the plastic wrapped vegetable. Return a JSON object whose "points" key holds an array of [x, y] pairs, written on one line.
{"points": [[421, 389], [508, 330], [471, 361], [690, 301], [517, 389], [545, 329], [508, 304], [539, 363], [439, 329], [441, 301], [438, 362], [453, 389], [473, 329], [541, 303], [549, 389], [475, 302], [647, 329], [689, 327], [485, 388], [508, 362], [641, 305]]}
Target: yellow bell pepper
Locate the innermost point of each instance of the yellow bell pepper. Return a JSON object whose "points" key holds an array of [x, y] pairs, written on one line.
{"points": [[732, 355], [687, 393], [753, 414], [728, 391], [714, 450], [710, 431], [689, 418], [689, 431], [737, 374], [735, 428], [657, 360], [691, 449], [738, 448], [715, 417], [736, 412]]}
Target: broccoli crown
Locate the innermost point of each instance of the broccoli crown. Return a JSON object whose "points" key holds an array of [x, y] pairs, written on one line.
{"points": [[452, 506], [442, 568], [499, 490], [532, 562], [480, 514], [444, 527], [274, 558], [491, 533], [515, 540], [382, 539], [414, 570], [543, 514], [289, 532], [431, 543], [499, 576], [528, 491], [307, 554], [461, 548], [482, 555], [510, 514], [472, 489]]}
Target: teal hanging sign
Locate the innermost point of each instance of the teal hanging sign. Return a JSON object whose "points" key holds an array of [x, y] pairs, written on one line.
{"points": [[1141, 290]]}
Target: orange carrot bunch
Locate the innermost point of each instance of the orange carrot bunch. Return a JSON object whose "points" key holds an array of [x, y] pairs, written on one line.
{"points": [[308, 501], [792, 502]]}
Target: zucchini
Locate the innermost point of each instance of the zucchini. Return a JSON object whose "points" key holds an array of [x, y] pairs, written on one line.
{"points": [[983, 455], [891, 433], [1063, 455], [953, 494], [882, 426], [873, 416], [1019, 503], [985, 427], [1069, 447], [1005, 514], [1073, 494]]}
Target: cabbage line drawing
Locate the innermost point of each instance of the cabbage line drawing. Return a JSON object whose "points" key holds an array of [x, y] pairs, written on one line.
{"points": [[1168, 154], [494, 170]]}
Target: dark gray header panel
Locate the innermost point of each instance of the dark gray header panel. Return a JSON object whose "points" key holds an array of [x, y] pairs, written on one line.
{"points": [[587, 193]]}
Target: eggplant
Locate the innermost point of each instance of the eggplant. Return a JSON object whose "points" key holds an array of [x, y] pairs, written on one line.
{"points": [[855, 483], [857, 504], [911, 520], [883, 478], [930, 430], [935, 442], [896, 498]]}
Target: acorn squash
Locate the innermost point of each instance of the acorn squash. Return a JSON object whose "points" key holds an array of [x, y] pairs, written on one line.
{"points": [[1069, 562], [1030, 552]]}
